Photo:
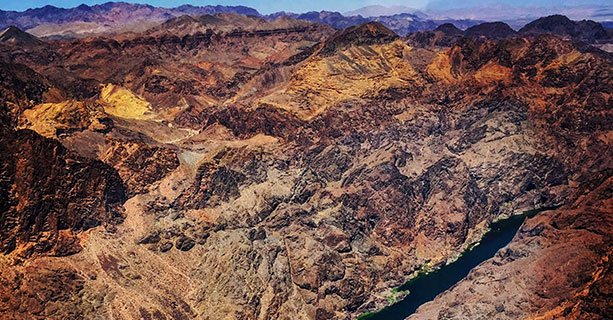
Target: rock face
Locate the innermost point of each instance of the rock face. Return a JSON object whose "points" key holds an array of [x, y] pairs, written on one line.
{"points": [[47, 193], [140, 165], [42, 292], [290, 171], [46, 190]]}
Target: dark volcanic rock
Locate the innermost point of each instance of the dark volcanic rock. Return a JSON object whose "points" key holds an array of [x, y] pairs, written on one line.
{"points": [[153, 237], [366, 34], [44, 189], [20, 88], [165, 246], [185, 243], [493, 30], [444, 35], [310, 182], [15, 36], [41, 292], [140, 165], [213, 185], [586, 30], [449, 29]]}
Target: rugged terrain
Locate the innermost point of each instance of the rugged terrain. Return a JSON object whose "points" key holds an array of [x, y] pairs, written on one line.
{"points": [[558, 267], [282, 169]]}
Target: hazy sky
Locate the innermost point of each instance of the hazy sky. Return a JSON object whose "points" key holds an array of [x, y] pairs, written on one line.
{"points": [[268, 6]]}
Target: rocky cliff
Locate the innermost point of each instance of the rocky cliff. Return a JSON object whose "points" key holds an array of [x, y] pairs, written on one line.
{"points": [[48, 194]]}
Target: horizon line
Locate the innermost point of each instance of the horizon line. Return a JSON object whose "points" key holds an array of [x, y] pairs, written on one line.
{"points": [[417, 9]]}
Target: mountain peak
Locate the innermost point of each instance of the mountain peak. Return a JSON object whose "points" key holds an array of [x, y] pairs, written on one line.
{"points": [[15, 35], [494, 30], [449, 29], [373, 30], [364, 34], [563, 26], [555, 23]]}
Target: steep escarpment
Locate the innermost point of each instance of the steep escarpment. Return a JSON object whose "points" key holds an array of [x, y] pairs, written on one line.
{"points": [[49, 198], [20, 87], [46, 191], [48, 194]]}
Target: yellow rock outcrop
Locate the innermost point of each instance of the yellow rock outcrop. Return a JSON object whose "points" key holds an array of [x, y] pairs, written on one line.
{"points": [[354, 73], [123, 103]]}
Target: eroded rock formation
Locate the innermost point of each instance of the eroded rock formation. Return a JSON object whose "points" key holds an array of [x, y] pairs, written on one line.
{"points": [[290, 171]]}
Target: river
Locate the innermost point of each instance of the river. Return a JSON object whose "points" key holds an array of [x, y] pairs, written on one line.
{"points": [[426, 287]]}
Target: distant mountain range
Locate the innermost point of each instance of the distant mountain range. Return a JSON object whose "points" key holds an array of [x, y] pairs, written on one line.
{"points": [[517, 16], [109, 17], [110, 12], [378, 10], [447, 34], [121, 17], [402, 23]]}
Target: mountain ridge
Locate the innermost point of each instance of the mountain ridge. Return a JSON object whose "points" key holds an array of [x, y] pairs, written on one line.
{"points": [[105, 18]]}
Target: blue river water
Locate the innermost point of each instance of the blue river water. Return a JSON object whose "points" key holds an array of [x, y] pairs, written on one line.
{"points": [[426, 287]]}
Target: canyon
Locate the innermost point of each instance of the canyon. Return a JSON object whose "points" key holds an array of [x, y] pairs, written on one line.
{"points": [[229, 166]]}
